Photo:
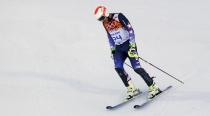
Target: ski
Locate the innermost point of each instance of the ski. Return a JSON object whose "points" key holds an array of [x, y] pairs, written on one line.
{"points": [[152, 99], [123, 102]]}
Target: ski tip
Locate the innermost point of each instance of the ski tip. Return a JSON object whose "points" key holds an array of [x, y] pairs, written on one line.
{"points": [[136, 106], [170, 86], [108, 107]]}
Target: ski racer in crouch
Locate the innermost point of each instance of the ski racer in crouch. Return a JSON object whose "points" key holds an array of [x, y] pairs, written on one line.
{"points": [[122, 43]]}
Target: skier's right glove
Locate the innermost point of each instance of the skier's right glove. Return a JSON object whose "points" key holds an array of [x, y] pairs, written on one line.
{"points": [[113, 50]]}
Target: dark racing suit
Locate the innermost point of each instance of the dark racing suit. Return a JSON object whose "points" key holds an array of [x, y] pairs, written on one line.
{"points": [[121, 36]]}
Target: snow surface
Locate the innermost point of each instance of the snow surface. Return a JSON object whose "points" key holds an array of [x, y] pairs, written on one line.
{"points": [[55, 58]]}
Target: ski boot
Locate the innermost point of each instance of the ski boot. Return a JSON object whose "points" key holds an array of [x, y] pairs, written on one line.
{"points": [[132, 91], [153, 91]]}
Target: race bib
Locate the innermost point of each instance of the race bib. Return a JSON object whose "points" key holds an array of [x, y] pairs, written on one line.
{"points": [[119, 36]]}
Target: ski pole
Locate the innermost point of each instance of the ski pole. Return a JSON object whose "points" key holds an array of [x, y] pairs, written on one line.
{"points": [[162, 70], [156, 68], [124, 63]]}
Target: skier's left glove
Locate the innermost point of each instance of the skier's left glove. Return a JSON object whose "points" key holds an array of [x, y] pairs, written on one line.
{"points": [[132, 52]]}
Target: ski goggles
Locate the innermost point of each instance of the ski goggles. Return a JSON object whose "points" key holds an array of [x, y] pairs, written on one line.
{"points": [[101, 18]]}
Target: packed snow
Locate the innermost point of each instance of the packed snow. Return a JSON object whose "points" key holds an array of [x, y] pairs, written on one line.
{"points": [[55, 57]]}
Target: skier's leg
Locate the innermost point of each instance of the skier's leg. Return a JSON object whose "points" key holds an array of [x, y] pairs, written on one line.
{"points": [[119, 59], [139, 70], [144, 75], [153, 88], [123, 75], [131, 89]]}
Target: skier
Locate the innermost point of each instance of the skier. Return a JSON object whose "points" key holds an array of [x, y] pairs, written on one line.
{"points": [[122, 43]]}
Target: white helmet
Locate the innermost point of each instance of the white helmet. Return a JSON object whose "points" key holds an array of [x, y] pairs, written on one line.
{"points": [[100, 13]]}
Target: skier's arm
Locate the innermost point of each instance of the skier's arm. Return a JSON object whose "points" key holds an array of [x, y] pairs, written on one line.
{"points": [[128, 27], [111, 43], [132, 52]]}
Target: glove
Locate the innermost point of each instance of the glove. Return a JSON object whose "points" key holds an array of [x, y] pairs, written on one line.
{"points": [[132, 52], [113, 50]]}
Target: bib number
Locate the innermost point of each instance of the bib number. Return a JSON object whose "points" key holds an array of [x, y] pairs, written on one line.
{"points": [[117, 38]]}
